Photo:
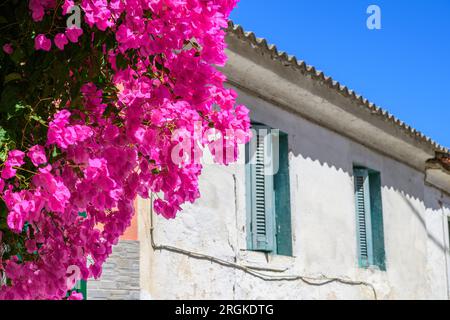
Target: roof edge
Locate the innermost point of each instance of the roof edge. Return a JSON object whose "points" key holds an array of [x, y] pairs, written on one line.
{"points": [[318, 75]]}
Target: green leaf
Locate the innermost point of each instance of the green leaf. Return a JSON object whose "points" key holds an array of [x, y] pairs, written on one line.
{"points": [[38, 119], [3, 135], [121, 62], [3, 144], [12, 76], [55, 152], [18, 55], [9, 98]]}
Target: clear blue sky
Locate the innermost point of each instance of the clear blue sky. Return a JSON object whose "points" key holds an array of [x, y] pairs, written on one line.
{"points": [[404, 67]]}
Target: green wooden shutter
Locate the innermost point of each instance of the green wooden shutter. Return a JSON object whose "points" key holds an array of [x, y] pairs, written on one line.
{"points": [[448, 229], [363, 218], [377, 220], [261, 194], [283, 199], [81, 287]]}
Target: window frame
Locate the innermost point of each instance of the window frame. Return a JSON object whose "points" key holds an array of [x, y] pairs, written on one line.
{"points": [[279, 231], [374, 222]]}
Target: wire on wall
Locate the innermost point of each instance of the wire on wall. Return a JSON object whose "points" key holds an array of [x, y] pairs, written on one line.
{"points": [[256, 271]]}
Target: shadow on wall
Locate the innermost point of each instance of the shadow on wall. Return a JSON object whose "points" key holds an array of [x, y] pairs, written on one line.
{"points": [[435, 207], [327, 148]]}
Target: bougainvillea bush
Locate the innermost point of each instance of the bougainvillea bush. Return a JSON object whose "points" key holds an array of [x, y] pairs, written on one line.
{"points": [[91, 111]]}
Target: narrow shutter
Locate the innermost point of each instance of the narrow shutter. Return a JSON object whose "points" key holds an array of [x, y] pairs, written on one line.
{"points": [[81, 287], [363, 218], [448, 230], [376, 215], [262, 222], [283, 198]]}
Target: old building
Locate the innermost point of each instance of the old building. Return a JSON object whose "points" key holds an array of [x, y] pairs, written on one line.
{"points": [[358, 209]]}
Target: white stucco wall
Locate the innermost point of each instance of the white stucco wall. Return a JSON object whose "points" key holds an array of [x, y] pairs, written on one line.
{"points": [[323, 224], [437, 243]]}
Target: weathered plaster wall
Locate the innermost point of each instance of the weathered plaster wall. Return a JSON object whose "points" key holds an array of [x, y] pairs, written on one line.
{"points": [[445, 202], [436, 219], [322, 205], [323, 219]]}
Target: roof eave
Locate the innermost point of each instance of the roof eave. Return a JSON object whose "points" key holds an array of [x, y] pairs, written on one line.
{"points": [[259, 68]]}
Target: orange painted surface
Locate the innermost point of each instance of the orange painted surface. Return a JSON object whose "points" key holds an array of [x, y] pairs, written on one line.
{"points": [[132, 232]]}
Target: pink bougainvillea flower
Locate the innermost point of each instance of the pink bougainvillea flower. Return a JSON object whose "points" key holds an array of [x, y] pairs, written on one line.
{"points": [[8, 48], [15, 158], [15, 221], [37, 9], [73, 33], [166, 210], [61, 41], [114, 140], [98, 13], [75, 296], [37, 155], [31, 246], [41, 42], [63, 135], [8, 172], [68, 4], [54, 191]]}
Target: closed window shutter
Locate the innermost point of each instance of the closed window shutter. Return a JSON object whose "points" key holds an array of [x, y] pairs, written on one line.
{"points": [[81, 287], [283, 199], [376, 214], [363, 218], [262, 222]]}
